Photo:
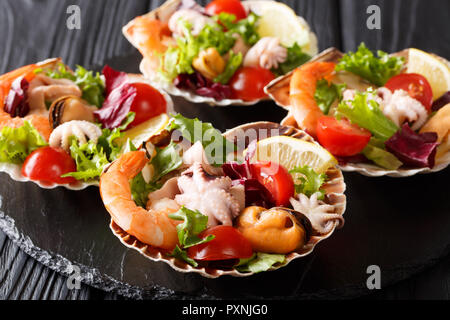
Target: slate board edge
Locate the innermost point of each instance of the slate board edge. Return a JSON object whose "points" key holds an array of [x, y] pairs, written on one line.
{"points": [[94, 278]]}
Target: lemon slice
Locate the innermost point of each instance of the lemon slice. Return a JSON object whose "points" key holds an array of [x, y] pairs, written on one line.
{"points": [[279, 21], [145, 130], [435, 70], [291, 153]]}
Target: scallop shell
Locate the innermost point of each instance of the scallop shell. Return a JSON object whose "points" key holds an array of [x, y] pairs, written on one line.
{"points": [[278, 90], [334, 187], [163, 13], [15, 170]]}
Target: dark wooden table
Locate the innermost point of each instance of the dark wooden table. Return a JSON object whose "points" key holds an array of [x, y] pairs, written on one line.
{"points": [[35, 30]]}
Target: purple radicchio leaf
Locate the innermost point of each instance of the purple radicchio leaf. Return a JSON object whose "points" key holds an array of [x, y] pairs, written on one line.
{"points": [[414, 149], [113, 79], [441, 102], [202, 86], [116, 106], [16, 103]]}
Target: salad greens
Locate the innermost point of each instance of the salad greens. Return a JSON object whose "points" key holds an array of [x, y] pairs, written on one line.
{"points": [[375, 151], [326, 93], [260, 262], [311, 181], [17, 143], [166, 160], [233, 63], [90, 84], [140, 189], [215, 145], [246, 28], [295, 57], [367, 114], [188, 231], [377, 70]]}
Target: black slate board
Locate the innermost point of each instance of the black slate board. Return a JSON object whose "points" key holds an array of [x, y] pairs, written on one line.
{"points": [[403, 240]]}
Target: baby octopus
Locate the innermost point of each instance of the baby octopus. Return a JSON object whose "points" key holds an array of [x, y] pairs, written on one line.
{"points": [[211, 195]]}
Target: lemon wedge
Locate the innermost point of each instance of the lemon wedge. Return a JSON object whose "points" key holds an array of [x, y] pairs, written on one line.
{"points": [[291, 153], [145, 130], [431, 67], [280, 21]]}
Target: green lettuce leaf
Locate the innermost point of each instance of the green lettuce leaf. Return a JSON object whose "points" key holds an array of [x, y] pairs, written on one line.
{"points": [[367, 114], [233, 63], [260, 262], [193, 223], [310, 182], [17, 143], [246, 28], [375, 151], [166, 160], [181, 254], [91, 84], [327, 93], [377, 70], [215, 145], [295, 58], [140, 189]]}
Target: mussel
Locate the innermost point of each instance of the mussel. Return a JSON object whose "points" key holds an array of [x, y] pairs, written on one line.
{"points": [[69, 108], [276, 230]]}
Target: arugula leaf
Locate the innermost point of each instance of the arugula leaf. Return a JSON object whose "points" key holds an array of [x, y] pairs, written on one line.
{"points": [[140, 189], [91, 84], [311, 181], [17, 143], [377, 70], [215, 145], [180, 254], [367, 114], [375, 151], [233, 63], [166, 160], [295, 58], [194, 223], [260, 262], [246, 28], [326, 93]]}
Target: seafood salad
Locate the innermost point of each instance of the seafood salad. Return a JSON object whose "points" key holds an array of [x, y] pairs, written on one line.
{"points": [[226, 51], [203, 209], [61, 127], [391, 111]]}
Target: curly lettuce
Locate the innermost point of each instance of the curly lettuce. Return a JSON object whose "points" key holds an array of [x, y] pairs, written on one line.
{"points": [[246, 28], [310, 181], [295, 58], [260, 262], [90, 83], [375, 151], [326, 93], [17, 143], [377, 70]]}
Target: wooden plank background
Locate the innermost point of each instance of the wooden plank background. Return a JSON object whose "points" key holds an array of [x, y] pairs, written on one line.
{"points": [[35, 30]]}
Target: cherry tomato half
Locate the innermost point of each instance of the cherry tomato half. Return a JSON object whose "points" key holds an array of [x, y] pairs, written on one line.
{"points": [[276, 179], [147, 104], [229, 6], [341, 137], [228, 243], [48, 164], [248, 83], [415, 84]]}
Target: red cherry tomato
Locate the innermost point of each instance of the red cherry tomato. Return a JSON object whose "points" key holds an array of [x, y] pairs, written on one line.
{"points": [[248, 83], [48, 164], [276, 179], [147, 104], [341, 137], [229, 6], [415, 84], [228, 243]]}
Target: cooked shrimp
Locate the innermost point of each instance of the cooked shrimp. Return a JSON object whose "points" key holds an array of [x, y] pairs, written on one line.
{"points": [[148, 35], [302, 88], [151, 227], [40, 122]]}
